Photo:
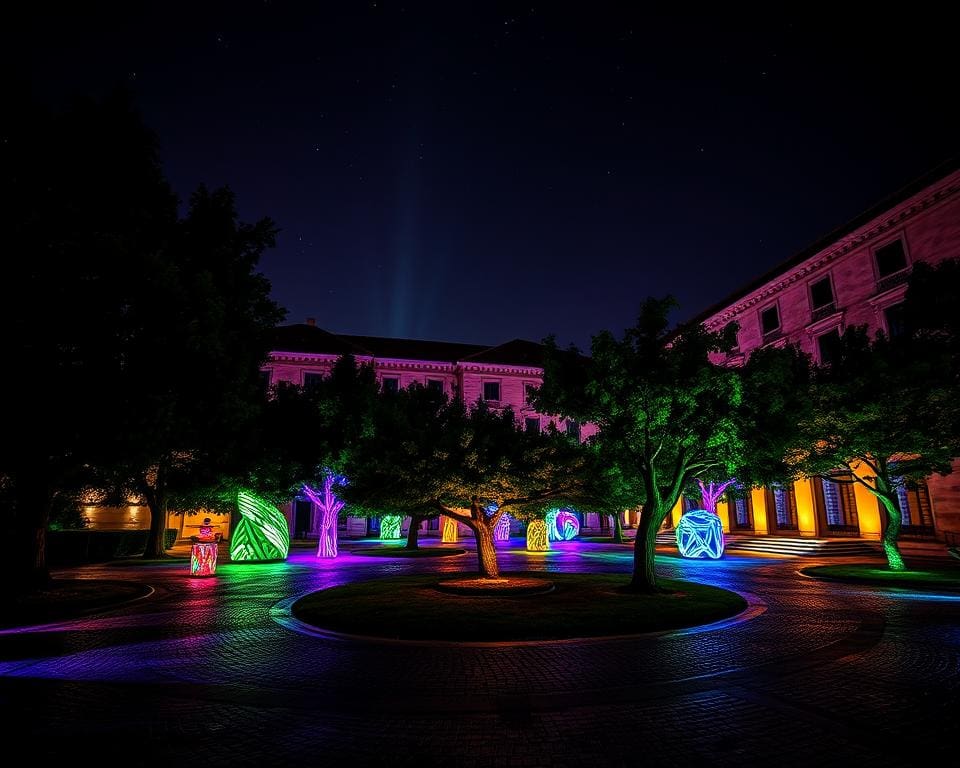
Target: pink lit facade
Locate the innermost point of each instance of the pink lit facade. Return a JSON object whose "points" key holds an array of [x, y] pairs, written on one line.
{"points": [[858, 276], [503, 376]]}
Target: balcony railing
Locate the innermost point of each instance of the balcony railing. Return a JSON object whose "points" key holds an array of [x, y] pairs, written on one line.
{"points": [[821, 312], [892, 281], [772, 336]]}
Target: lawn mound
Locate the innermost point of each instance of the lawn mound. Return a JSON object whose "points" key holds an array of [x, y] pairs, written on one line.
{"points": [[502, 587], [581, 605], [404, 552], [933, 579]]}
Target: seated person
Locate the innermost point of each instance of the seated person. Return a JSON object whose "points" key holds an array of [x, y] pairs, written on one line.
{"points": [[206, 532]]}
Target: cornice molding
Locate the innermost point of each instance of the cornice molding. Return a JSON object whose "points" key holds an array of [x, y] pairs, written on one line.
{"points": [[508, 370]]}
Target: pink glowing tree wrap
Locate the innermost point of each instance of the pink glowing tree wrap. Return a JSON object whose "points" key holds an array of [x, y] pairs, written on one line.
{"points": [[329, 506], [711, 492], [203, 558]]}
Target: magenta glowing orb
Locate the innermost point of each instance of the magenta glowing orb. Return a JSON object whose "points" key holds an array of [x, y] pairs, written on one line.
{"points": [[700, 534], [566, 525]]}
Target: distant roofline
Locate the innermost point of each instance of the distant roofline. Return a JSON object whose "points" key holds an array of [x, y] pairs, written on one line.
{"points": [[935, 174], [352, 336], [358, 342]]}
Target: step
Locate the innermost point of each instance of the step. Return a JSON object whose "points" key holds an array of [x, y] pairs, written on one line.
{"points": [[789, 546]]}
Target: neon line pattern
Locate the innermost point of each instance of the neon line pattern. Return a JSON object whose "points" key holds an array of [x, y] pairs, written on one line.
{"points": [[700, 535], [262, 533], [390, 527]]}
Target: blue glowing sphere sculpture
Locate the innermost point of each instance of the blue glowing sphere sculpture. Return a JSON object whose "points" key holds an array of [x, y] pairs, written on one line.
{"points": [[700, 534]]}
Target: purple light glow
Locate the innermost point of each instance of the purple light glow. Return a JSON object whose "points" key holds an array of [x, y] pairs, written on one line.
{"points": [[329, 506]]}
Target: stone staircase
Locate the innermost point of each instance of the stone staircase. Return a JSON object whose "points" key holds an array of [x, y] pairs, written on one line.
{"points": [[793, 546]]}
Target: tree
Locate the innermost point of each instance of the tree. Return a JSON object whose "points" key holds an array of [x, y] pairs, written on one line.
{"points": [[886, 411], [664, 412], [472, 465], [84, 203], [388, 469], [192, 340]]}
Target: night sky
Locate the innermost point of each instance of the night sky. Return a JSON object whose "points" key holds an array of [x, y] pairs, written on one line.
{"points": [[484, 172]]}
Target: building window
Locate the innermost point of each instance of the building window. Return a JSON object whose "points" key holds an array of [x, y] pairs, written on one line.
{"points": [[531, 424], [312, 380], [529, 393], [828, 346], [914, 501], [821, 293], [895, 319], [435, 384], [839, 505], [573, 429], [785, 507], [891, 259], [491, 390], [390, 384], [740, 506], [770, 320]]}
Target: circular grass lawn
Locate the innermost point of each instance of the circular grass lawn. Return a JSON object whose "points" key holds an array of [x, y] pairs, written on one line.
{"points": [[580, 605], [401, 551], [932, 579]]}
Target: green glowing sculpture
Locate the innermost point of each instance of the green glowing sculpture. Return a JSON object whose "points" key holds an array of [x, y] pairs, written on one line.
{"points": [[390, 527], [262, 533]]}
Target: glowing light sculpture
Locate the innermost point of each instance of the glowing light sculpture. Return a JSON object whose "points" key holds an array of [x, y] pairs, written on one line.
{"points": [[700, 535], [390, 527], [262, 534], [566, 525], [502, 531], [710, 493], [329, 506], [537, 538], [448, 531], [551, 523], [203, 558]]}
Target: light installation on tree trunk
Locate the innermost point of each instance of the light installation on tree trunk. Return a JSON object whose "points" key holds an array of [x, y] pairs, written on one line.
{"points": [[328, 506], [700, 535], [537, 540], [502, 530], [262, 533], [390, 527], [566, 525], [448, 530]]}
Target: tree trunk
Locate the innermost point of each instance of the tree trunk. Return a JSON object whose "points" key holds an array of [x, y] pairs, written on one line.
{"points": [[28, 554], [413, 534], [644, 578], [157, 503], [618, 528], [486, 551], [892, 531]]}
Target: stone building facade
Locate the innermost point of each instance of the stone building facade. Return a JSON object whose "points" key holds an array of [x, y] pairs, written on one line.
{"points": [[857, 275]]}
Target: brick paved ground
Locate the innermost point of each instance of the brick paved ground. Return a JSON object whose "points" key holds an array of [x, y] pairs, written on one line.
{"points": [[210, 671]]}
